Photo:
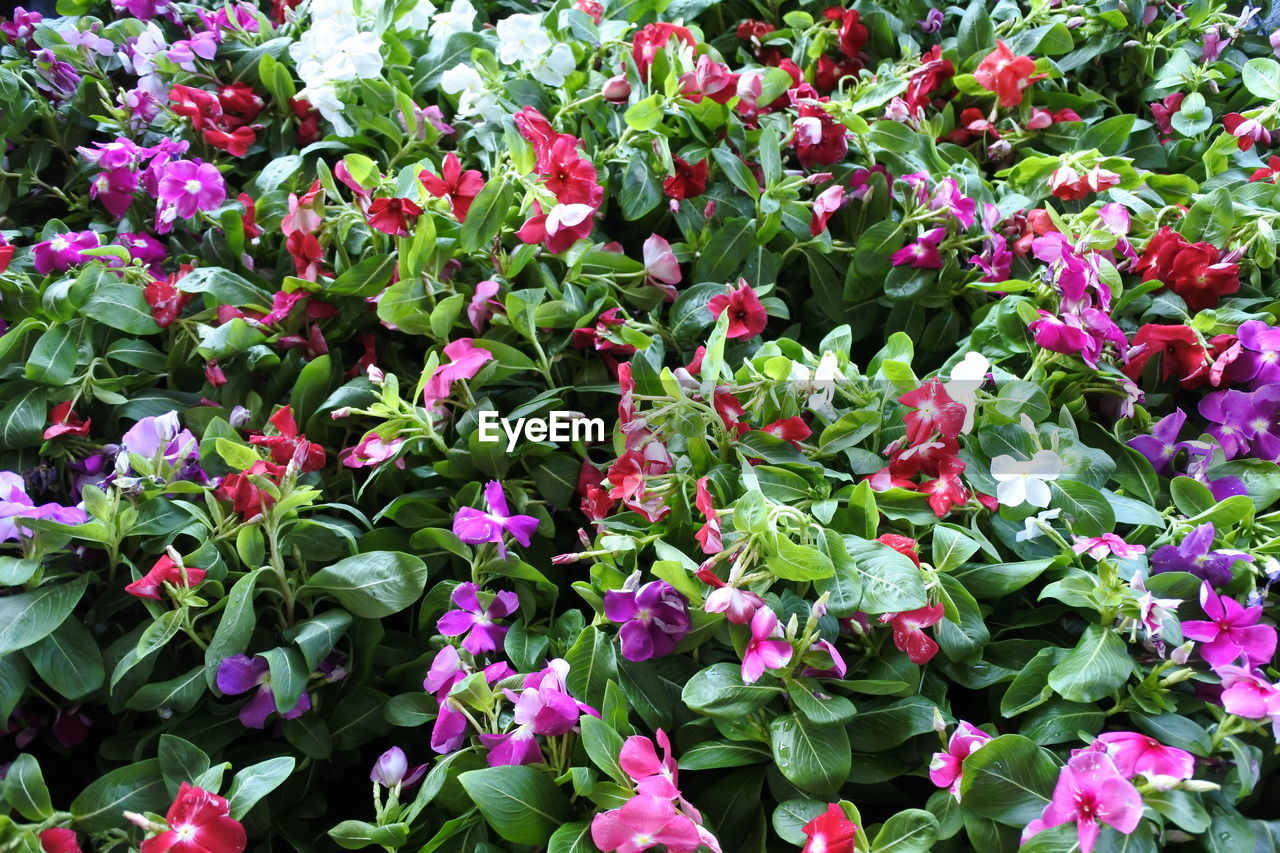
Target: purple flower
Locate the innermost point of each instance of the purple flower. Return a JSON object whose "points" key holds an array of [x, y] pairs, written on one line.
{"points": [[62, 76], [1199, 458], [183, 53], [447, 669], [145, 248], [121, 153], [16, 504], [1161, 446], [654, 619], [189, 187], [240, 674], [1214, 44], [1193, 555], [1244, 422], [162, 440], [478, 621], [62, 251], [474, 526], [143, 10], [115, 189], [932, 22], [1090, 791], [1232, 632], [543, 707], [947, 197], [391, 770], [1258, 359], [23, 24]]}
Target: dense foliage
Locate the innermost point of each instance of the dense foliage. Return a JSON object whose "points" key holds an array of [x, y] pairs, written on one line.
{"points": [[935, 360]]}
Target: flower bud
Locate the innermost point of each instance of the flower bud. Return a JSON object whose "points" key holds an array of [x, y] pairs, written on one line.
{"points": [[392, 769], [376, 376], [239, 416], [616, 90], [339, 414], [1182, 653]]}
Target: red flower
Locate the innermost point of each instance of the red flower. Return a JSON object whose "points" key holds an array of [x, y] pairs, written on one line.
{"points": [[688, 181], [289, 443], [308, 121], [560, 228], [236, 143], [747, 316], [307, 254], [853, 33], [1162, 112], [948, 489], [909, 635], [58, 840], [200, 106], [731, 411], [830, 832], [151, 585], [653, 38], [1194, 271], [932, 75], [534, 127], [199, 822], [461, 188], [590, 7], [1005, 74], [392, 215], [165, 299], [1266, 173], [1247, 131], [904, 545], [819, 139], [246, 499], [570, 177], [6, 254], [754, 31], [792, 430], [249, 219], [1183, 355], [935, 411], [240, 105], [1068, 184], [63, 421]]}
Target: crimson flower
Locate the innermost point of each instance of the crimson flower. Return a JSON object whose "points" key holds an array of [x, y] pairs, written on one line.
{"points": [[830, 832], [392, 215], [1182, 353], [165, 571], [708, 535], [571, 178], [1194, 271], [289, 443], [165, 299], [908, 631], [819, 139], [948, 489], [535, 128], [651, 39], [747, 316], [199, 822], [904, 545], [63, 421], [461, 188], [1005, 74], [1266, 173], [792, 430], [935, 411], [689, 181], [1247, 131], [58, 840], [246, 499], [853, 33]]}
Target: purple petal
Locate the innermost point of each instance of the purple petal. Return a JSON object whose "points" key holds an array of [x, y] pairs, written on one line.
{"points": [[522, 527], [474, 527], [255, 712], [240, 674], [484, 638], [504, 604], [464, 595], [620, 605], [496, 499], [455, 622], [302, 706]]}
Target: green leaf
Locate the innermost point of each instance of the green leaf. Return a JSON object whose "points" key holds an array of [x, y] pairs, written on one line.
{"points": [[226, 287], [180, 761], [718, 691], [889, 581], [121, 306], [819, 708], [724, 253], [1084, 507], [68, 659], [994, 581], [317, 636], [22, 419], [592, 665], [31, 616], [951, 547], [53, 358], [235, 627], [373, 585], [25, 790], [256, 781], [1097, 667], [365, 278], [357, 834], [288, 676], [793, 562], [910, 831], [1030, 686], [1008, 780], [485, 216], [645, 114], [714, 755], [572, 838], [179, 694], [137, 787], [521, 804], [603, 745], [814, 758], [1261, 76]]}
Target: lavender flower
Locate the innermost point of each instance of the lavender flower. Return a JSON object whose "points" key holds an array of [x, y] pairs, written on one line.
{"points": [[654, 619], [932, 22], [483, 635], [1193, 555], [391, 770], [474, 526], [240, 674], [161, 440], [16, 504]]}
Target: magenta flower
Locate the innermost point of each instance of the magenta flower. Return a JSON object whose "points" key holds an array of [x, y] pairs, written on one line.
{"points": [[763, 650], [947, 768], [1091, 792], [1098, 547], [1135, 754], [1247, 694], [121, 153], [1231, 632], [190, 187], [240, 674], [474, 526], [543, 707], [654, 777], [465, 361], [654, 619], [482, 305], [62, 251], [371, 451], [114, 188], [642, 824], [923, 253], [483, 634], [392, 770]]}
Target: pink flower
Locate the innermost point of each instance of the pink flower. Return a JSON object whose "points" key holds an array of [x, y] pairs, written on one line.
{"points": [[189, 187], [660, 262], [654, 777], [1232, 631], [465, 361], [946, 768], [824, 207], [1098, 547], [1247, 694], [738, 605], [482, 304], [763, 652], [559, 229], [923, 253], [908, 631], [62, 251], [1091, 792], [642, 824], [1135, 754], [708, 535], [371, 451]]}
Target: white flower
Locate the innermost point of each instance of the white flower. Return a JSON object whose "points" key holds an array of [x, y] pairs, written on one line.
{"points": [[1020, 481], [333, 49], [332, 11], [473, 96], [553, 68], [418, 17], [966, 378], [521, 38], [819, 384], [324, 97], [566, 216], [459, 19], [1031, 526]]}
